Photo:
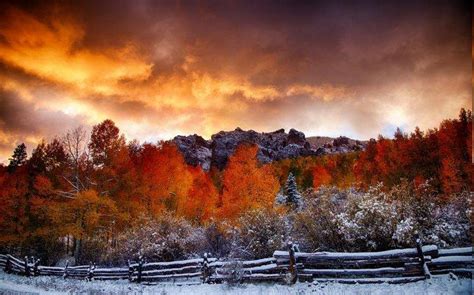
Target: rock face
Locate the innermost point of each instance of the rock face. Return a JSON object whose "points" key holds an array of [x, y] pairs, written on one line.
{"points": [[196, 150], [272, 146], [339, 145]]}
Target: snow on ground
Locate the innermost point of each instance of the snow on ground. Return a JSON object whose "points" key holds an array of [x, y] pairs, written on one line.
{"points": [[13, 284]]}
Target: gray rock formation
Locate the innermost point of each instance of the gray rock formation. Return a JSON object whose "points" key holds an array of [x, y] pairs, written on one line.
{"points": [[272, 146], [339, 145], [196, 150]]}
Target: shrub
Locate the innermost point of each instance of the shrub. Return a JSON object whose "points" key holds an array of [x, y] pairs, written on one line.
{"points": [[166, 238], [260, 233], [217, 242], [452, 226], [315, 228], [369, 220]]}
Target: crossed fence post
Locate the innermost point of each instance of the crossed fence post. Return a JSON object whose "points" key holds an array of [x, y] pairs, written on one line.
{"points": [[65, 274], [90, 272], [206, 270], [35, 266], [130, 271], [140, 269], [27, 269], [292, 267], [8, 265], [419, 249]]}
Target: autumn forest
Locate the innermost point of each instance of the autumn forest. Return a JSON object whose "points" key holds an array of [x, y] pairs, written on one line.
{"points": [[99, 197]]}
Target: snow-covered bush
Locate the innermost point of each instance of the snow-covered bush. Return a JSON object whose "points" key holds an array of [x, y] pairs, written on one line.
{"points": [[452, 225], [218, 243], [404, 233], [351, 220], [415, 203], [259, 234], [331, 220], [280, 198], [164, 239], [315, 227], [420, 209], [369, 220]]}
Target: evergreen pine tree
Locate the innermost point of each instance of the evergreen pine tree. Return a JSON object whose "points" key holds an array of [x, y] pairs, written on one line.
{"points": [[18, 158], [293, 197], [37, 162]]}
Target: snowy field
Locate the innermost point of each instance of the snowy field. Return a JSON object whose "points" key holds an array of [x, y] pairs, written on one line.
{"points": [[13, 284]]}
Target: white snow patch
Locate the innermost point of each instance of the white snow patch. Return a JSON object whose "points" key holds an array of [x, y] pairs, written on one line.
{"points": [[456, 251], [51, 285], [446, 259]]}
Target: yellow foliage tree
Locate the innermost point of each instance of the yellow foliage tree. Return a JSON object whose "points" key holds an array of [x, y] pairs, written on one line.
{"points": [[86, 215]]}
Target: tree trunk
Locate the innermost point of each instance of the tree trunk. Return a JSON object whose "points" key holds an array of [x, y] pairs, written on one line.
{"points": [[77, 250], [67, 244]]}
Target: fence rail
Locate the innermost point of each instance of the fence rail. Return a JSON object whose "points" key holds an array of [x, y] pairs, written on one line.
{"points": [[392, 266]]}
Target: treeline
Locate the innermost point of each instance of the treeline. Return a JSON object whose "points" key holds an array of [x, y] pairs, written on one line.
{"points": [[442, 155], [83, 195]]}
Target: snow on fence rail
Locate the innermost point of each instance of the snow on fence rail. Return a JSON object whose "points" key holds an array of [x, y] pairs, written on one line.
{"points": [[392, 266]]}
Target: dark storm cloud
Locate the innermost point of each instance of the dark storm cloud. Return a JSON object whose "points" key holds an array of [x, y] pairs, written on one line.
{"points": [[289, 42], [305, 42], [159, 68]]}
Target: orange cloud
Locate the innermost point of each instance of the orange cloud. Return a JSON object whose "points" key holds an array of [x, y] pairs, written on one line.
{"points": [[51, 49], [206, 87], [325, 92], [159, 70]]}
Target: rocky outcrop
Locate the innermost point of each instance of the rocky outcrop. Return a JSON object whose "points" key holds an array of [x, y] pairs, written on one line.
{"points": [[272, 146], [196, 150], [339, 145]]}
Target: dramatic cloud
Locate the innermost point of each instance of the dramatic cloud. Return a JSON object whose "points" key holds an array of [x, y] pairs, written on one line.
{"points": [[165, 68]]}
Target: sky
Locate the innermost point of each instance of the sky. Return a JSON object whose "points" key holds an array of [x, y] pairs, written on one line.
{"points": [[163, 68]]}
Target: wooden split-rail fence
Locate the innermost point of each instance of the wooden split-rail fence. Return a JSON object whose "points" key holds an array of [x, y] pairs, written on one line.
{"points": [[392, 266]]}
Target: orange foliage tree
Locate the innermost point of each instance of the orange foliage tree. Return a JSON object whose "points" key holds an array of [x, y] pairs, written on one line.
{"points": [[320, 176], [13, 204], [113, 183], [246, 184], [201, 201], [165, 178], [442, 155]]}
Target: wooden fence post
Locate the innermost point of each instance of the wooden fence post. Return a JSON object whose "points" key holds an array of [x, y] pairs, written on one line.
{"points": [[205, 270], [292, 268], [140, 269], [27, 269], [130, 271], [35, 266], [65, 274], [419, 249], [90, 272], [8, 265]]}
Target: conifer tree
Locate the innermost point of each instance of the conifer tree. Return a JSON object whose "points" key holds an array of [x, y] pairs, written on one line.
{"points": [[18, 158], [293, 197]]}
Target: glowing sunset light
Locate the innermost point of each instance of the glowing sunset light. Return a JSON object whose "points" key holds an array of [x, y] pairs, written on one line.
{"points": [[170, 68]]}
